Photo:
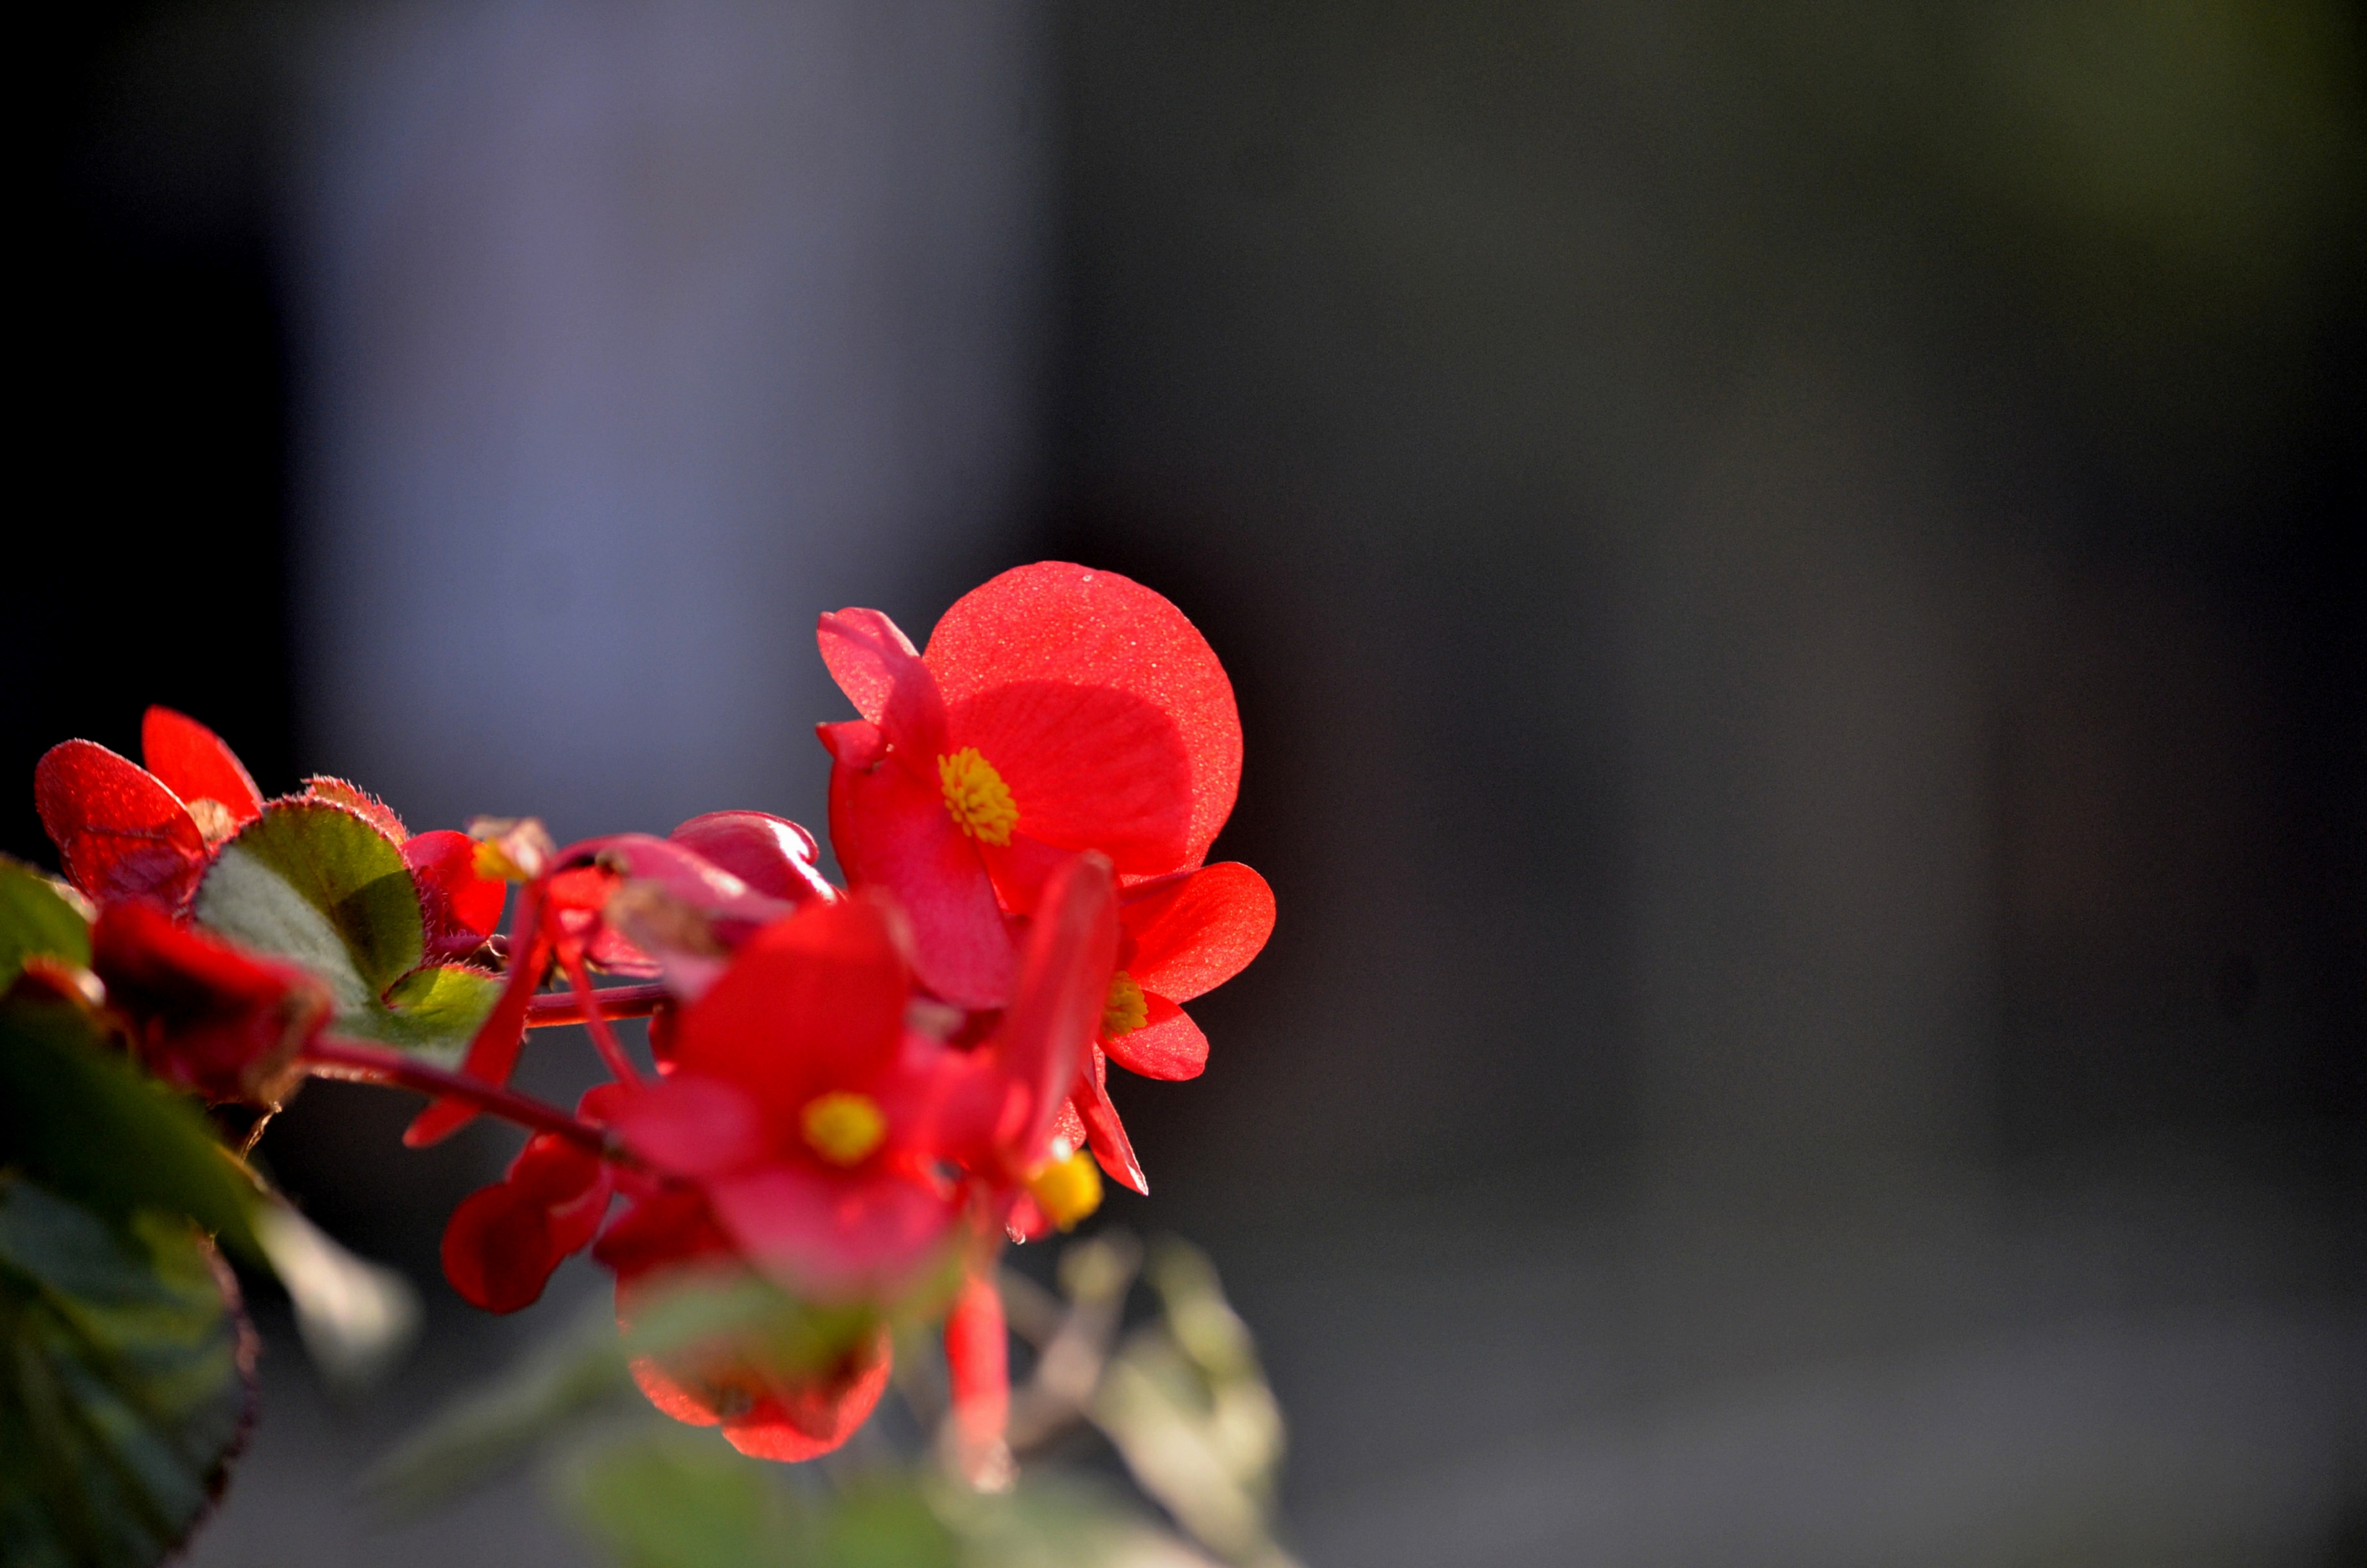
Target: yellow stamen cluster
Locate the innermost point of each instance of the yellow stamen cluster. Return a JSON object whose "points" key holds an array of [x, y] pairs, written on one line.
{"points": [[1124, 1011], [977, 797], [1067, 1188], [842, 1127]]}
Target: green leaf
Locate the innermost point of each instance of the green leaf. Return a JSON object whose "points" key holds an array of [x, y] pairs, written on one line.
{"points": [[79, 1118], [431, 1011], [125, 1382], [311, 881], [35, 917]]}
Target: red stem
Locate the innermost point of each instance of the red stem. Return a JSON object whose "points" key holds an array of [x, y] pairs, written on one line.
{"points": [[616, 1002], [329, 1057]]}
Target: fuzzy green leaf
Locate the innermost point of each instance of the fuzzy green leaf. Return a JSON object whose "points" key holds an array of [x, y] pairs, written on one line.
{"points": [[313, 882], [125, 1382]]}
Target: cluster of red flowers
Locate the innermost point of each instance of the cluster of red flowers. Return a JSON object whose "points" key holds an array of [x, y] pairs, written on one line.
{"points": [[859, 1092]]}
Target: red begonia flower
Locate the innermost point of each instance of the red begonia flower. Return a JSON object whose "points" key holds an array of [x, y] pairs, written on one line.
{"points": [[799, 1106], [764, 1411], [201, 1014], [504, 1242], [1057, 710]]}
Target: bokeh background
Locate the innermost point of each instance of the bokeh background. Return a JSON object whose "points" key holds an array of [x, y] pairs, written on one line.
{"points": [[1793, 573]]}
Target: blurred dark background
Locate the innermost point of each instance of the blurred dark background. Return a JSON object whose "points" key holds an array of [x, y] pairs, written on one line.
{"points": [[1793, 573]]}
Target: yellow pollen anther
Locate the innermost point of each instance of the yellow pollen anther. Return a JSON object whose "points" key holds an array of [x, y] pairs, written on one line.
{"points": [[842, 1127], [978, 798], [1067, 1189], [1124, 1011]]}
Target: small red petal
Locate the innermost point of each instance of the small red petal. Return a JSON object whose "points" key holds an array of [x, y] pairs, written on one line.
{"points": [[1111, 1147], [498, 1251], [772, 855], [1194, 935], [119, 832], [1170, 1047], [459, 907], [194, 763], [865, 652]]}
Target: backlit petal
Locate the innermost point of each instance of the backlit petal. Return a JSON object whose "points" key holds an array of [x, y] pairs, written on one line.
{"points": [[772, 855], [1170, 1047], [1056, 622], [1089, 766], [1111, 1147], [1194, 935], [193, 762], [119, 832]]}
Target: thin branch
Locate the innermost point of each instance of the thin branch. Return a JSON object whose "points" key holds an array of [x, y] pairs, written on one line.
{"points": [[616, 1002]]}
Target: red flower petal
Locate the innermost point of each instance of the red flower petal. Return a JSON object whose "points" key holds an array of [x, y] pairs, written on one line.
{"points": [[1111, 1147], [833, 1237], [772, 855], [1170, 1047], [874, 664], [191, 761], [1194, 936], [498, 1250], [1089, 767], [459, 908], [1056, 622], [119, 832], [893, 831], [691, 1125], [809, 1003], [865, 652]]}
